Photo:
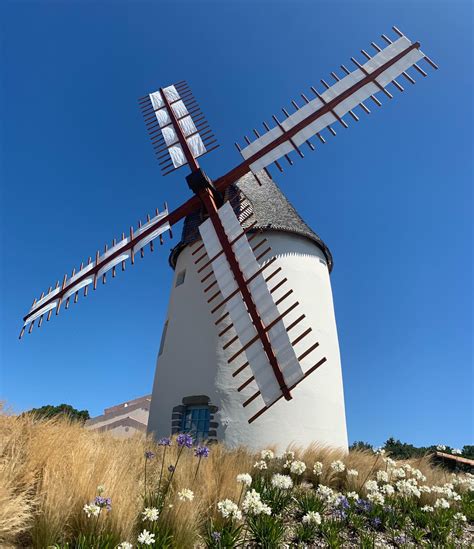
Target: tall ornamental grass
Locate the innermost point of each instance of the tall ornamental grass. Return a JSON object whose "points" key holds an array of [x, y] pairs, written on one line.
{"points": [[64, 486]]}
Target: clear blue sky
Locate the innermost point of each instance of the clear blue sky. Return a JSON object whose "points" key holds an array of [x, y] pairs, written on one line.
{"points": [[391, 196]]}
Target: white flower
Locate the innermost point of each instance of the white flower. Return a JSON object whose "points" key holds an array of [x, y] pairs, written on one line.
{"points": [[382, 476], [379, 451], [146, 537], [441, 447], [297, 467], [100, 489], [253, 505], [227, 508], [91, 510], [186, 495], [244, 478], [262, 464], [352, 473], [387, 489], [125, 545], [447, 491], [288, 455], [441, 503], [282, 481], [390, 462], [456, 452], [372, 486], [338, 466], [151, 513], [376, 497], [267, 454], [424, 489], [312, 517], [398, 473], [408, 488], [427, 508], [460, 517], [352, 495], [418, 475], [324, 492], [317, 468]]}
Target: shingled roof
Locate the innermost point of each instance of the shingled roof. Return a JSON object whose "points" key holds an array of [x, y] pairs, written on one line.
{"points": [[270, 207]]}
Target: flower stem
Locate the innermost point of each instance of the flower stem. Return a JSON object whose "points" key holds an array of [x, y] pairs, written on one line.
{"points": [[162, 465], [197, 470], [146, 459], [180, 451], [96, 522]]}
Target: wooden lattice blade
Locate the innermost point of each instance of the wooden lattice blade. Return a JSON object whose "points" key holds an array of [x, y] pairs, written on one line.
{"points": [[167, 110], [330, 106], [96, 269], [279, 318]]}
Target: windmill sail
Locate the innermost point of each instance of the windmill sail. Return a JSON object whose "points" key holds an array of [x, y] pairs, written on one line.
{"points": [[97, 269], [277, 317], [336, 101], [167, 110]]}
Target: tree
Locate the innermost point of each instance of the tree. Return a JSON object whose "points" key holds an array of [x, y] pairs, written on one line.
{"points": [[360, 445], [62, 410]]}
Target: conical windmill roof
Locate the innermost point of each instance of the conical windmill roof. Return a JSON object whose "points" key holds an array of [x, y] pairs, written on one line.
{"points": [[271, 209]]}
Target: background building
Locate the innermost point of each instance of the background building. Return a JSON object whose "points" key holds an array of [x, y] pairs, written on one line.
{"points": [[125, 419]]}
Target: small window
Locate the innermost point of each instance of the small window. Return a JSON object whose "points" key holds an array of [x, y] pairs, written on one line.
{"points": [[195, 421], [180, 278], [163, 337]]}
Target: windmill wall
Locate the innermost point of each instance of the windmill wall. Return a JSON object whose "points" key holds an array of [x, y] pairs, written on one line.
{"points": [[192, 365]]}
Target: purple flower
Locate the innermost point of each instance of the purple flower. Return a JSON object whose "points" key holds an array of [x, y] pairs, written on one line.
{"points": [[201, 452], [171, 468], [400, 540], [184, 440], [216, 536], [376, 522], [339, 514], [363, 505], [343, 502], [165, 441], [149, 455], [103, 502]]}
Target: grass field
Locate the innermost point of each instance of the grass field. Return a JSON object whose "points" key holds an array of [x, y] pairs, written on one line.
{"points": [[51, 470]]}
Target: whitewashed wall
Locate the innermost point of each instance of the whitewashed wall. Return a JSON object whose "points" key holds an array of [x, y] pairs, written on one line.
{"points": [[194, 363]]}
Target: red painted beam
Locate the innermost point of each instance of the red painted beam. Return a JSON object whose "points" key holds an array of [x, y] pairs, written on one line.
{"points": [[192, 162], [210, 205], [236, 173]]}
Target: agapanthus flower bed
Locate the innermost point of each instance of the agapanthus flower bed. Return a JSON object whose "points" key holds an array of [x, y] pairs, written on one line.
{"points": [[66, 487]]}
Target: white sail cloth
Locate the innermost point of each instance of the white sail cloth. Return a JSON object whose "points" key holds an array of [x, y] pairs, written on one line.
{"points": [[185, 121], [106, 262], [383, 79], [264, 303]]}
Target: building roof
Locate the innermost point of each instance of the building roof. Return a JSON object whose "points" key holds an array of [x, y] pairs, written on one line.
{"points": [[123, 422], [127, 403], [140, 404], [271, 208], [458, 459]]}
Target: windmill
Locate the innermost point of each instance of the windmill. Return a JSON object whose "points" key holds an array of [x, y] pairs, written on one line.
{"points": [[264, 282]]}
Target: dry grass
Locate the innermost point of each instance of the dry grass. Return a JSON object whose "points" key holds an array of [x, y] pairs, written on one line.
{"points": [[49, 469]]}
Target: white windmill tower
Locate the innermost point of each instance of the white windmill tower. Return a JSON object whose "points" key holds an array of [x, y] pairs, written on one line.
{"points": [[195, 386], [250, 315]]}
